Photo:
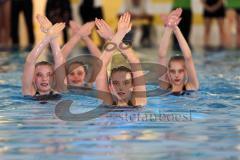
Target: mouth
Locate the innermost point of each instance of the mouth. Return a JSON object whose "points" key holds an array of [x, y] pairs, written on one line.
{"points": [[44, 84], [177, 80], [121, 93], [76, 81]]}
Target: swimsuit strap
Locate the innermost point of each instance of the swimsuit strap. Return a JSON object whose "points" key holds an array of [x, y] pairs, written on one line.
{"points": [[129, 103], [38, 94]]}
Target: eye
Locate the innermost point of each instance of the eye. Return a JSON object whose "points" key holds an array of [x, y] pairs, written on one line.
{"points": [[181, 71], [39, 75], [127, 82], [115, 83], [49, 74], [172, 71], [80, 73]]}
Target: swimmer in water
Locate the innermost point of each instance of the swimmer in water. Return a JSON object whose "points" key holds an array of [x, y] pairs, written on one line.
{"points": [[124, 87], [76, 70], [38, 78], [181, 75]]}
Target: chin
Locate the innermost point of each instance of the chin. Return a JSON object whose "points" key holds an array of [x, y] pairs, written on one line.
{"points": [[178, 83], [76, 84]]}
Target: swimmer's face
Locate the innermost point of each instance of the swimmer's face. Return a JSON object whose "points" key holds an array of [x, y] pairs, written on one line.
{"points": [[177, 72], [43, 78], [76, 75], [121, 85]]}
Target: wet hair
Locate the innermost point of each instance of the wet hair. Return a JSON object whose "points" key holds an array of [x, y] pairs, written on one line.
{"points": [[176, 58], [120, 69], [76, 63], [43, 63]]}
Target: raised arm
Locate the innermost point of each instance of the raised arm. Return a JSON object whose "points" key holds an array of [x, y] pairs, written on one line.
{"points": [[169, 21], [172, 19], [59, 65], [193, 82], [29, 66], [139, 88], [78, 33], [92, 47], [139, 83], [106, 33], [59, 60], [102, 78]]}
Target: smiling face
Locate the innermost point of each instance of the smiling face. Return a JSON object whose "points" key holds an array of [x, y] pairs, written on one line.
{"points": [[43, 78], [121, 85], [176, 72], [76, 74]]}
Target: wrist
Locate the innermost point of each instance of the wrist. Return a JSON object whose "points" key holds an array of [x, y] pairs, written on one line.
{"points": [[120, 32], [85, 38], [175, 29], [109, 38], [48, 38], [79, 33], [167, 27]]}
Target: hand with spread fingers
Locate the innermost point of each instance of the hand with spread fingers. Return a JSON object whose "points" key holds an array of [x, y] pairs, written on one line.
{"points": [[104, 30], [55, 30], [45, 24], [124, 23], [86, 29], [173, 19]]}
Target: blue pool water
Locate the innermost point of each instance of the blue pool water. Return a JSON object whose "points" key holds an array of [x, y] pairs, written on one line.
{"points": [[205, 125]]}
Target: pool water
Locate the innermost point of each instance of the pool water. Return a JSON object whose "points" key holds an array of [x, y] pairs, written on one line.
{"points": [[203, 125]]}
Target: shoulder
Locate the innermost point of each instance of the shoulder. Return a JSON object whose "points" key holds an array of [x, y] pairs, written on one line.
{"points": [[191, 87], [51, 96]]}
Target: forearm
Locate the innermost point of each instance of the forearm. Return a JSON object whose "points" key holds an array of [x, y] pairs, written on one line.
{"points": [[68, 47], [192, 75], [94, 50], [164, 43], [102, 82], [60, 72], [37, 50], [183, 43], [117, 38], [139, 81], [57, 54]]}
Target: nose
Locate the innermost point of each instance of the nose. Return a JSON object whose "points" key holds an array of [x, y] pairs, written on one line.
{"points": [[45, 78], [176, 74], [121, 86], [76, 77]]}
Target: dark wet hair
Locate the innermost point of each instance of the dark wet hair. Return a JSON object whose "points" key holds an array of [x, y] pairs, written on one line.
{"points": [[43, 63], [176, 58], [77, 63], [120, 69]]}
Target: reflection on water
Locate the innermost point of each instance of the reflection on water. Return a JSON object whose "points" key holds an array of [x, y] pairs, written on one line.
{"points": [[30, 130]]}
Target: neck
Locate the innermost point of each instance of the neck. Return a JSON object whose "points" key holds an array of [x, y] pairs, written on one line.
{"points": [[44, 93], [122, 103], [177, 88]]}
